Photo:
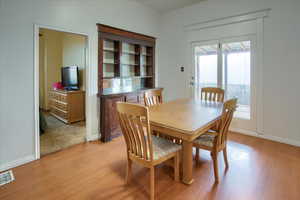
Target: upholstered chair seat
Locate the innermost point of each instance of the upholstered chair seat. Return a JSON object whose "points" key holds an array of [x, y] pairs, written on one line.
{"points": [[163, 147], [206, 139]]}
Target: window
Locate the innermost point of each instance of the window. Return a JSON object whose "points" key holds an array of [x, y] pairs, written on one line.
{"points": [[226, 65]]}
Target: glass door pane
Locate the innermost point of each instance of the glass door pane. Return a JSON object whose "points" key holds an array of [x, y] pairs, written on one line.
{"points": [[237, 75], [206, 67]]}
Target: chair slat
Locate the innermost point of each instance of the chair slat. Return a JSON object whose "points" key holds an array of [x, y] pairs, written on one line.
{"points": [[124, 129], [143, 140], [131, 134], [153, 97], [212, 94]]}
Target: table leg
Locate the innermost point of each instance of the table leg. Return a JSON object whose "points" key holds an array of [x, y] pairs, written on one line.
{"points": [[187, 162]]}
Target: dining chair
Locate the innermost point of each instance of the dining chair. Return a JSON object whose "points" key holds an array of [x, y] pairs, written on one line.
{"points": [[153, 97], [143, 147], [212, 94], [217, 141]]}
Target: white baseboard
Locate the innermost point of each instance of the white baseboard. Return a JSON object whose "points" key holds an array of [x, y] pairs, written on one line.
{"points": [[92, 137], [267, 137], [17, 163], [281, 140], [244, 132]]}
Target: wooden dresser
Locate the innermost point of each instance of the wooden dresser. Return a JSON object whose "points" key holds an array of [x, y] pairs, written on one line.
{"points": [[67, 106]]}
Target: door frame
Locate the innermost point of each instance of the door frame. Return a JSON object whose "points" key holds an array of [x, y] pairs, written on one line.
{"points": [[88, 115], [256, 84], [258, 18]]}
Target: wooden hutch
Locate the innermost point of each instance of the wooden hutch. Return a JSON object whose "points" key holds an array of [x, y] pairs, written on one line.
{"points": [[126, 69]]}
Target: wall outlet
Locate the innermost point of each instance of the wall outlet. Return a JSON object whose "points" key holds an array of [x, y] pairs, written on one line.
{"points": [[182, 68]]}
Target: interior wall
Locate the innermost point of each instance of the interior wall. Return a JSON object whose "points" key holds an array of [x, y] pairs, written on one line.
{"points": [[74, 52], [17, 19], [53, 59], [42, 93], [281, 58]]}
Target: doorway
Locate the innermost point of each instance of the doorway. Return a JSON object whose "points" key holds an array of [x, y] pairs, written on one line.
{"points": [[62, 87], [228, 64]]}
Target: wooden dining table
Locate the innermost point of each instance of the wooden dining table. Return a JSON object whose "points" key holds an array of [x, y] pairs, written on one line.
{"points": [[185, 119]]}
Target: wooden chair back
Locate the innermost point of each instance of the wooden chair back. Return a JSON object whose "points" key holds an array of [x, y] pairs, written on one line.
{"points": [[228, 110], [212, 94], [153, 97], [134, 121]]}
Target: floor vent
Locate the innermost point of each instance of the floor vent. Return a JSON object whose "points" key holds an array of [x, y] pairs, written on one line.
{"points": [[6, 177]]}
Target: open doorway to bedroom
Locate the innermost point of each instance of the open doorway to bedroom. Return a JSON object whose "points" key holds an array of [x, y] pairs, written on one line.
{"points": [[62, 86]]}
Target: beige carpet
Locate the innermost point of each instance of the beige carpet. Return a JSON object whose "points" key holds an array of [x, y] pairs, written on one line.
{"points": [[59, 135]]}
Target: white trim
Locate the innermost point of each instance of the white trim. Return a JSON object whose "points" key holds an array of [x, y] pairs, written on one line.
{"points": [[93, 137], [244, 132], [36, 92], [267, 137], [16, 163], [259, 62], [281, 140], [89, 84], [228, 20]]}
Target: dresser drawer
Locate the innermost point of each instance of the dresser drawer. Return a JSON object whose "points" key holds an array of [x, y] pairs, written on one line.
{"points": [[58, 96], [53, 95], [59, 113], [63, 98], [60, 105]]}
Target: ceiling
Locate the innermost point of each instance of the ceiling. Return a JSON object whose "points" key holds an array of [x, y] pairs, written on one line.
{"points": [[168, 5]]}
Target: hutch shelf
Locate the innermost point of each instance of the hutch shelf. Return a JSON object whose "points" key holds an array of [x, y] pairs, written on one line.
{"points": [[126, 69]]}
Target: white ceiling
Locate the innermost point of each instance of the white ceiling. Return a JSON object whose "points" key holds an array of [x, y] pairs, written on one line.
{"points": [[167, 5]]}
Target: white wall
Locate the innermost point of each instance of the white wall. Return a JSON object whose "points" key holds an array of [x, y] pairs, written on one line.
{"points": [[17, 18], [281, 69]]}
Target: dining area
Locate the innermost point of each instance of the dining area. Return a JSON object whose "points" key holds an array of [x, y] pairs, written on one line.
{"points": [[169, 132]]}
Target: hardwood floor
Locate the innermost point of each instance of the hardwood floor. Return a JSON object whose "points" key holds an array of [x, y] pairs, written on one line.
{"points": [[258, 169]]}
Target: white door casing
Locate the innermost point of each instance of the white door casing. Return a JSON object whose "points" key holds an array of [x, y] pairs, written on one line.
{"points": [[244, 25]]}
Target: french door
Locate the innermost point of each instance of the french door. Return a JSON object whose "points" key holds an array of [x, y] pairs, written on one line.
{"points": [[228, 64]]}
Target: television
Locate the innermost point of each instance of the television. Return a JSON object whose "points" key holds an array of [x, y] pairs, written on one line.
{"points": [[70, 77]]}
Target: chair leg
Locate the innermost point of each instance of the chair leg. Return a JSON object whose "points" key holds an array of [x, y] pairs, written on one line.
{"points": [[128, 171], [176, 167], [197, 155], [214, 156], [152, 184], [225, 157]]}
